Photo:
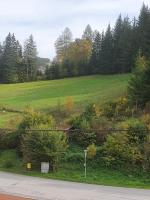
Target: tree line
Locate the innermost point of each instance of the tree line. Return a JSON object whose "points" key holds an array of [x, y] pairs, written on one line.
{"points": [[109, 52], [112, 51], [17, 64]]}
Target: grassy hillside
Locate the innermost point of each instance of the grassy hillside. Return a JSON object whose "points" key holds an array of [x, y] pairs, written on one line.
{"points": [[46, 94]]}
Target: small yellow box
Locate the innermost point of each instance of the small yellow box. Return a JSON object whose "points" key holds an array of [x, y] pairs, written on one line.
{"points": [[29, 166]]}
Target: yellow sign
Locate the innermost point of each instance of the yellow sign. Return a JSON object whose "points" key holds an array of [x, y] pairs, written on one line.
{"points": [[29, 166]]}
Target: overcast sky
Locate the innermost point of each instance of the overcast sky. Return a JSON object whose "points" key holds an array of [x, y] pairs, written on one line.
{"points": [[46, 19]]}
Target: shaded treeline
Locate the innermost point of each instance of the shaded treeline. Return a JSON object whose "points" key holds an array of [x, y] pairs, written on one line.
{"points": [[109, 52]]}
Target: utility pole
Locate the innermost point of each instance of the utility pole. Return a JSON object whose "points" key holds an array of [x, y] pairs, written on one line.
{"points": [[85, 164]]}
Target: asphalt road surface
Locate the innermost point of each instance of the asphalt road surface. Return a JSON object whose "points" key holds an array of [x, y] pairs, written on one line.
{"points": [[45, 189]]}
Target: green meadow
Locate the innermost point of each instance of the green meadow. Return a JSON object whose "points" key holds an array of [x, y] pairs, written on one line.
{"points": [[43, 95]]}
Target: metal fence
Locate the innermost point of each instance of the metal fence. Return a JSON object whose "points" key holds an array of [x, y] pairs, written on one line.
{"points": [[76, 130]]}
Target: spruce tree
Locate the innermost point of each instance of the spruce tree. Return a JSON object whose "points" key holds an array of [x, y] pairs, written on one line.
{"points": [[125, 45], [52, 71], [139, 85], [134, 42], [96, 53], [88, 33], [1, 54], [144, 31], [30, 59], [9, 62], [122, 37], [107, 52], [117, 47], [21, 70]]}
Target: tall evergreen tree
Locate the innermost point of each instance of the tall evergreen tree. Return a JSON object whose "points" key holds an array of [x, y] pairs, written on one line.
{"points": [[122, 45], [9, 63], [117, 47], [139, 86], [96, 53], [125, 42], [107, 52], [21, 69], [1, 54], [134, 42], [30, 59], [144, 30], [88, 33], [52, 71]]}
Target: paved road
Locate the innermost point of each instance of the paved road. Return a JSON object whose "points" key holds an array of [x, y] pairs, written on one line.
{"points": [[43, 189]]}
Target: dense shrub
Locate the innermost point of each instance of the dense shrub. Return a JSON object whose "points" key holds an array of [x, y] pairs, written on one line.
{"points": [[90, 112], [137, 131], [109, 109], [128, 148], [8, 139], [75, 157], [119, 152], [91, 151], [43, 146], [9, 159], [146, 120], [117, 109], [82, 138], [59, 112], [146, 163], [69, 104], [74, 154], [101, 125], [32, 118], [138, 89], [92, 127], [8, 164], [99, 158], [81, 135]]}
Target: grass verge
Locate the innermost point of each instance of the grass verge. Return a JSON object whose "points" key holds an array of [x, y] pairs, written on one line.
{"points": [[10, 162]]}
